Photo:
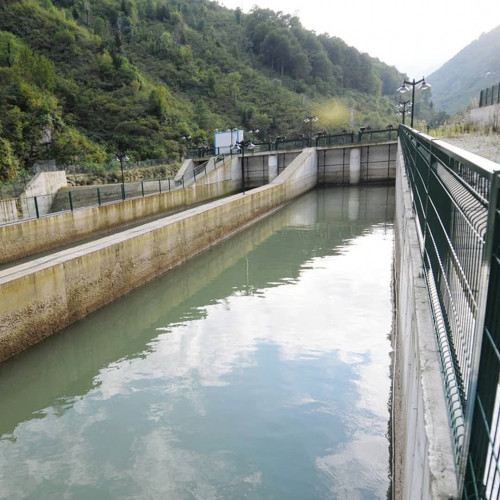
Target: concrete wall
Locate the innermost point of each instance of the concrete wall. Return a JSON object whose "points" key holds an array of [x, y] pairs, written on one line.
{"points": [[38, 235], [45, 295], [377, 163], [487, 115], [8, 211], [187, 164], [46, 183], [44, 186], [423, 457]]}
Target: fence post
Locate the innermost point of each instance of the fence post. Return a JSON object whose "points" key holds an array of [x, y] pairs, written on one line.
{"points": [[142, 188], [70, 196], [159, 184], [169, 183], [99, 196], [36, 208]]}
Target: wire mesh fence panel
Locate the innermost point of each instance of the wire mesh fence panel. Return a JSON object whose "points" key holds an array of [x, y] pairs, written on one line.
{"points": [[456, 206], [110, 194]]}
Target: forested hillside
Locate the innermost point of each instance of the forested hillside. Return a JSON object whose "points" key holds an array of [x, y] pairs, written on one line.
{"points": [[83, 79]]}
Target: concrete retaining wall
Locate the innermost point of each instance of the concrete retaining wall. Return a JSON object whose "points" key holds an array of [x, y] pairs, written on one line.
{"points": [[38, 235], [8, 210], [423, 456], [488, 115], [44, 186], [47, 294], [46, 183]]}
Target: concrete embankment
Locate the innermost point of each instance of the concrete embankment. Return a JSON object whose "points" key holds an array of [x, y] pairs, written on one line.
{"points": [[423, 457], [45, 295], [47, 233]]}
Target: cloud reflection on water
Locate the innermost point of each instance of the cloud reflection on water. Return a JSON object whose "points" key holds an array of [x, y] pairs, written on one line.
{"points": [[333, 313]]}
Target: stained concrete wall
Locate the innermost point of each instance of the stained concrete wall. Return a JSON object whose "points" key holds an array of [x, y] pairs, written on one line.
{"points": [[38, 235], [422, 447], [45, 295], [377, 163], [8, 210]]}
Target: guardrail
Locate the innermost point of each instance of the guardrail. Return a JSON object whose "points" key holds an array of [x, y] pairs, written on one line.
{"points": [[365, 134], [457, 206]]}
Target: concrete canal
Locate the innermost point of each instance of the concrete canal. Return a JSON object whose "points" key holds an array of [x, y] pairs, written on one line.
{"points": [[259, 369]]}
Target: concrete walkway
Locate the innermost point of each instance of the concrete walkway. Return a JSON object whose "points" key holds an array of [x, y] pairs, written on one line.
{"points": [[487, 146]]}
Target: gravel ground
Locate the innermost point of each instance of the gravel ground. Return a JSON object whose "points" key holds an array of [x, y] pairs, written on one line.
{"points": [[487, 146]]}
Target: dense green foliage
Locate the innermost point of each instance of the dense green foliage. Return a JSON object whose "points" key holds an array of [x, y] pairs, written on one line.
{"points": [[83, 79], [459, 82]]}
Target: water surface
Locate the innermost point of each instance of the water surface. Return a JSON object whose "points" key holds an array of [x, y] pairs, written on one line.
{"points": [[259, 369]]}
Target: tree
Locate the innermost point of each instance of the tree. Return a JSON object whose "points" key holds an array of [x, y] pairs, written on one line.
{"points": [[158, 102], [8, 162], [276, 50], [72, 147]]}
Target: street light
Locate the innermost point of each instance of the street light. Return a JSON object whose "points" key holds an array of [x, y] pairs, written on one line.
{"points": [[405, 88], [253, 132], [121, 157], [310, 120], [404, 104], [241, 146]]}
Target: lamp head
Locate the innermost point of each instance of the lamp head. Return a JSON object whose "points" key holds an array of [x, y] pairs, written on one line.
{"points": [[424, 85]]}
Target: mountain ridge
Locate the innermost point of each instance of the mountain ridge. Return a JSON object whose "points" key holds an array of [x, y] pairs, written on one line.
{"points": [[457, 83]]}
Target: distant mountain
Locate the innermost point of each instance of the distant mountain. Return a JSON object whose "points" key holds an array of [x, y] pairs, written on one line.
{"points": [[461, 79]]}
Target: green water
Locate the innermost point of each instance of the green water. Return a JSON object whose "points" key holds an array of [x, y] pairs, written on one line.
{"points": [[258, 370]]}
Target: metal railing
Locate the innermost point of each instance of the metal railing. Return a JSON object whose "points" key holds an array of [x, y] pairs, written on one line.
{"points": [[14, 189], [364, 134], [25, 208], [456, 203], [490, 96]]}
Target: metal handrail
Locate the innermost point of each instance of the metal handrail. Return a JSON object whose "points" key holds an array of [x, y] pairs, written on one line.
{"points": [[25, 208], [456, 203]]}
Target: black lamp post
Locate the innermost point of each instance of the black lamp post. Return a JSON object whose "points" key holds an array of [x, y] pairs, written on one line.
{"points": [[310, 120], [405, 88], [253, 132], [242, 145], [121, 157], [187, 140], [404, 104]]}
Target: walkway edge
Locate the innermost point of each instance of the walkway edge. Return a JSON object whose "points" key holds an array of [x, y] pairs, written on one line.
{"points": [[423, 461]]}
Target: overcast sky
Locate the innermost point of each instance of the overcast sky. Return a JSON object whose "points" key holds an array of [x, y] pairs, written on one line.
{"points": [[417, 37]]}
